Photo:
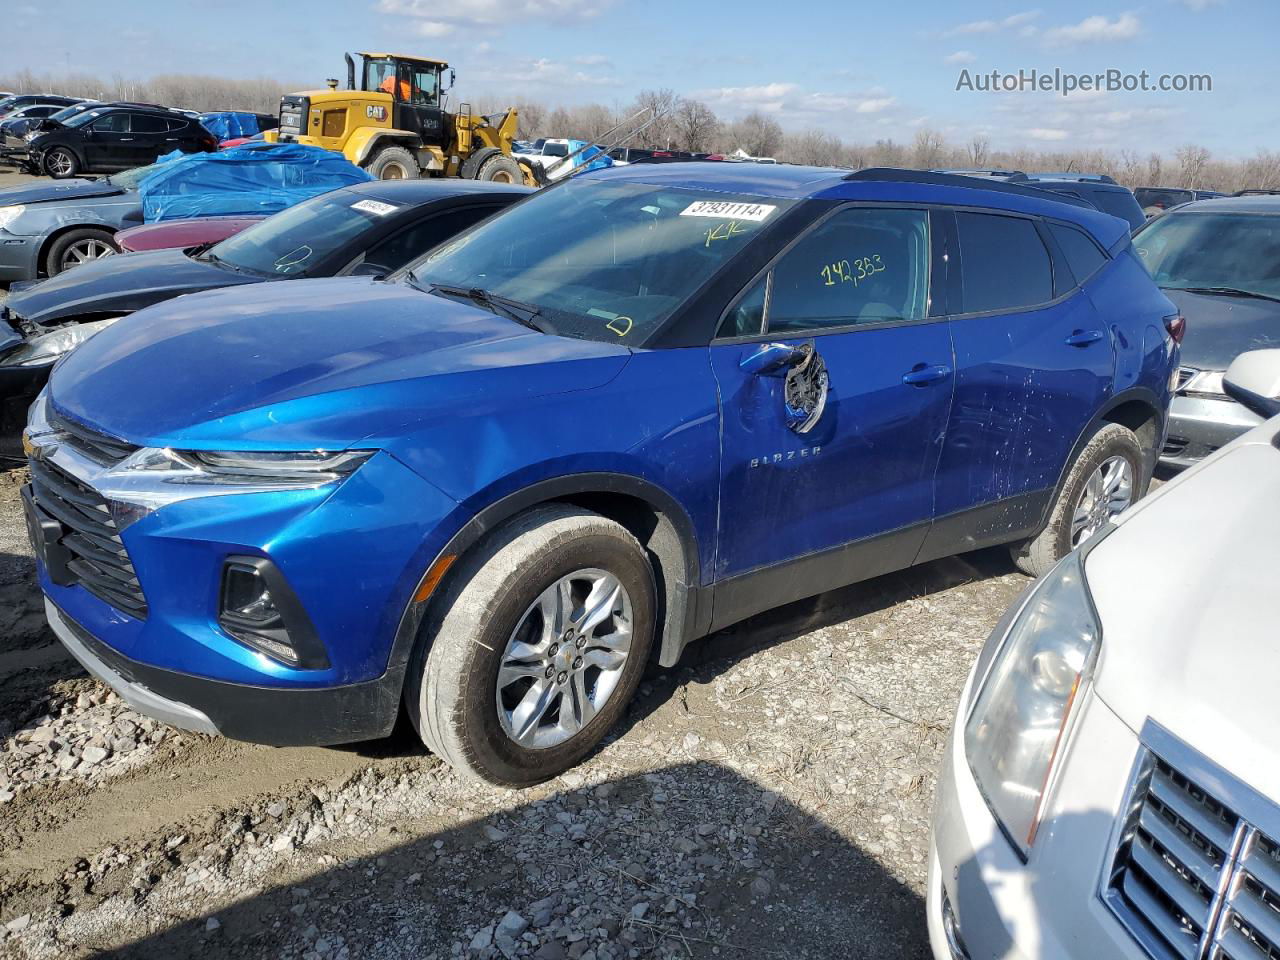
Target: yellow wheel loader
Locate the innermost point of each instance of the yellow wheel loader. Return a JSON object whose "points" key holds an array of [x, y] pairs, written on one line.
{"points": [[395, 125]]}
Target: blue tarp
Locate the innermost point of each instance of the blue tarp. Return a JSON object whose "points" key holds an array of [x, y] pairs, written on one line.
{"points": [[593, 158], [229, 124], [260, 178]]}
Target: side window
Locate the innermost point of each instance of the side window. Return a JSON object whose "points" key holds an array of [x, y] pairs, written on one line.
{"points": [[859, 266], [746, 319], [399, 248], [147, 123], [112, 123], [1004, 263], [424, 87], [1082, 254], [174, 124]]}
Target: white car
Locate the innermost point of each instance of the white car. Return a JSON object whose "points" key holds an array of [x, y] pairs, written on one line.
{"points": [[1112, 785]]}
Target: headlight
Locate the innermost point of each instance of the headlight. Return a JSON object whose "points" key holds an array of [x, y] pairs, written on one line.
{"points": [[1206, 383], [306, 466], [10, 213], [1023, 707], [50, 346]]}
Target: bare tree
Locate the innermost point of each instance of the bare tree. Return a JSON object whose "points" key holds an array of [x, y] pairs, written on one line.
{"points": [[814, 147], [1192, 160], [757, 134], [659, 134], [695, 125], [929, 148], [1155, 169], [978, 150]]}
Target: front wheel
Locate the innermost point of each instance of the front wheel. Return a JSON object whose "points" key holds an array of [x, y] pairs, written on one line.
{"points": [[1108, 477], [393, 163], [60, 163], [76, 247], [536, 649]]}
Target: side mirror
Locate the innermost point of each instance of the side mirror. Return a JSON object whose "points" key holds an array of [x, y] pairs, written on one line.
{"points": [[770, 360], [367, 269], [1253, 379]]}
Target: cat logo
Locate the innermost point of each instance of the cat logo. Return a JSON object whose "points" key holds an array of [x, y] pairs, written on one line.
{"points": [[375, 112]]}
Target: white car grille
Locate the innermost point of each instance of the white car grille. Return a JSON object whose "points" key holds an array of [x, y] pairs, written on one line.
{"points": [[1193, 877]]}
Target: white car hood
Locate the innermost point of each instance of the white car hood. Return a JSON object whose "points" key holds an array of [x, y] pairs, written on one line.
{"points": [[1187, 591]]}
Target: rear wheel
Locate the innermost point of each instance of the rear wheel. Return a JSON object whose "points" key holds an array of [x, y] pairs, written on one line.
{"points": [[393, 163], [1107, 478], [537, 646], [61, 163], [76, 247]]}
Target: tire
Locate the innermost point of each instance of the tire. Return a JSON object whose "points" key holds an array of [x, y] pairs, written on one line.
{"points": [[393, 163], [471, 166], [79, 246], [61, 163], [500, 169], [453, 692], [1109, 445]]}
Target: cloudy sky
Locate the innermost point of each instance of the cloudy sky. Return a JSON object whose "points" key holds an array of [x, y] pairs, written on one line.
{"points": [[864, 71]]}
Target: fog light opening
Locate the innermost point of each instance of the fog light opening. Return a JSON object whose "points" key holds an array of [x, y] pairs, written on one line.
{"points": [[951, 930], [258, 608]]}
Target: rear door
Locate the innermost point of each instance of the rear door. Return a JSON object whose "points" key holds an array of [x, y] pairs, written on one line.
{"points": [[809, 506], [1034, 365], [148, 132]]}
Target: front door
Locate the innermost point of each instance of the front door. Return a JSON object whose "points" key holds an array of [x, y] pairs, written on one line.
{"points": [[420, 111], [109, 143], [835, 381]]}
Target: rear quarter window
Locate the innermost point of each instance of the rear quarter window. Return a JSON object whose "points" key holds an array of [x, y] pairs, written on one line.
{"points": [[1082, 255], [1004, 263]]}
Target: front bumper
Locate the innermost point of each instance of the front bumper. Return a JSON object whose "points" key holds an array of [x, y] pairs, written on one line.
{"points": [[1048, 908], [1198, 426], [279, 717], [19, 257]]}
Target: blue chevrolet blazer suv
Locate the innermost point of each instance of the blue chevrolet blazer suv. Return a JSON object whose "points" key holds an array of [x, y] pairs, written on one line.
{"points": [[629, 410]]}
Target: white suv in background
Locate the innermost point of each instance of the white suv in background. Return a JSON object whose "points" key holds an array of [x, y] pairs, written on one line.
{"points": [[1112, 786]]}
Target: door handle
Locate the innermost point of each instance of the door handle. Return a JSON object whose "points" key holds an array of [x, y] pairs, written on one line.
{"points": [[921, 375], [126, 139], [1082, 338]]}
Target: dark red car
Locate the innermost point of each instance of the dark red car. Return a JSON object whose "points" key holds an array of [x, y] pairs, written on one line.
{"points": [[180, 234]]}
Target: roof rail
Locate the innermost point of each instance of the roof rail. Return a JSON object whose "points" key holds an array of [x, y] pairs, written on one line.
{"points": [[891, 174], [1074, 177], [1014, 176]]}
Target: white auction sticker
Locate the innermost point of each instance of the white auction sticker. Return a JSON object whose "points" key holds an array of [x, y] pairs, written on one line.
{"points": [[728, 210], [374, 206]]}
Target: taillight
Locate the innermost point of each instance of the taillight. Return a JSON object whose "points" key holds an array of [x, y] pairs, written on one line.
{"points": [[1177, 327]]}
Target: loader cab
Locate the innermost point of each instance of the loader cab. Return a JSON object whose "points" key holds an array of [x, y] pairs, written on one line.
{"points": [[416, 89]]}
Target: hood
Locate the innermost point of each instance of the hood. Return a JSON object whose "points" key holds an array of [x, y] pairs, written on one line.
{"points": [[311, 363], [42, 191], [1185, 592], [120, 284], [1220, 328]]}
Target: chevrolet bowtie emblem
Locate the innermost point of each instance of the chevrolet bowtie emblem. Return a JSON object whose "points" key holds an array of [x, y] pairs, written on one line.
{"points": [[34, 450]]}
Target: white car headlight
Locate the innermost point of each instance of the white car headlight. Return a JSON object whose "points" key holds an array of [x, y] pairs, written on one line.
{"points": [[10, 213], [1024, 703], [50, 346]]}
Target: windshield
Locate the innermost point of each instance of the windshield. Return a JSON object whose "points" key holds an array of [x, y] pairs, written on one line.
{"points": [[555, 149], [1240, 251], [80, 119], [1162, 197], [600, 259], [70, 111], [297, 239], [1118, 203], [129, 179]]}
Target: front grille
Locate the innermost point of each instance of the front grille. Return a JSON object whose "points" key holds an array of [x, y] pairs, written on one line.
{"points": [[99, 560], [1192, 878], [98, 447]]}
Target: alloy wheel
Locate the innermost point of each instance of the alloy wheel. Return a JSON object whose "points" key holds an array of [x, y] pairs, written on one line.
{"points": [[61, 163], [86, 251], [564, 659], [1107, 494]]}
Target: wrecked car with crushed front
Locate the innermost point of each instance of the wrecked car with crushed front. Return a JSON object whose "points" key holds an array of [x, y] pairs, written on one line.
{"points": [[629, 410]]}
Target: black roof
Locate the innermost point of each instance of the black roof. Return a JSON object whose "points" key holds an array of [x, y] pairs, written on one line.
{"points": [[428, 189], [993, 185]]}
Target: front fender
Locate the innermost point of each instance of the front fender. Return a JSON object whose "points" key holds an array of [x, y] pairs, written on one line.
{"points": [[365, 142]]}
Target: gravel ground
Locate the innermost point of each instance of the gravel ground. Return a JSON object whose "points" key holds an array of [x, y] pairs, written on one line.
{"points": [[767, 797]]}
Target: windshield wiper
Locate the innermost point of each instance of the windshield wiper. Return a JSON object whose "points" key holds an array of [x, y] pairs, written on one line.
{"points": [[522, 313], [1230, 292]]}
